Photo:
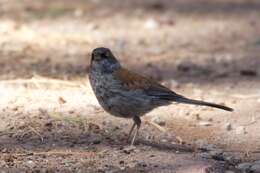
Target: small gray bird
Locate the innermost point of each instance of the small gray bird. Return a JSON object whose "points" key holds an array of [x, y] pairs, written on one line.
{"points": [[125, 94]]}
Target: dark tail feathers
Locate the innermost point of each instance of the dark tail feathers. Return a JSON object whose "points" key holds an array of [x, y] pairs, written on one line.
{"points": [[202, 103]]}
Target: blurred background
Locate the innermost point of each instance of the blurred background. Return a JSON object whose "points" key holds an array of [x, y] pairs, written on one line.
{"points": [[203, 49]]}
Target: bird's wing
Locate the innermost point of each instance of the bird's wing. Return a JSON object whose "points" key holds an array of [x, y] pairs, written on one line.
{"points": [[130, 80], [133, 81]]}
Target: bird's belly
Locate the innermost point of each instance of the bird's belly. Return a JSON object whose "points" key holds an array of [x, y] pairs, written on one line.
{"points": [[130, 106], [118, 101], [122, 105]]}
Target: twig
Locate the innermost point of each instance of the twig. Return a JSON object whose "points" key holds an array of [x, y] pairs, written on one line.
{"points": [[156, 126]]}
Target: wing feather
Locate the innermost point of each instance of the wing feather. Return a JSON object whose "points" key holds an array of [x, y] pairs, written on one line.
{"points": [[133, 81]]}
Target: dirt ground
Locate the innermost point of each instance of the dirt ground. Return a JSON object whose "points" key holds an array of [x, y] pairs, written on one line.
{"points": [[51, 121]]}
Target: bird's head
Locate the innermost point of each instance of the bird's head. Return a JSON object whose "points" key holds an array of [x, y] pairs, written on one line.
{"points": [[103, 59]]}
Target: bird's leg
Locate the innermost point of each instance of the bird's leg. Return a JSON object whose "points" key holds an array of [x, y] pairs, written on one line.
{"points": [[137, 122], [131, 130]]}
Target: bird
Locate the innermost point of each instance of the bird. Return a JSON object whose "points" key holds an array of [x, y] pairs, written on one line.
{"points": [[126, 94]]}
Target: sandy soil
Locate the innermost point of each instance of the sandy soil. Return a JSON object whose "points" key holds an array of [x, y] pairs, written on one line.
{"points": [[51, 121]]}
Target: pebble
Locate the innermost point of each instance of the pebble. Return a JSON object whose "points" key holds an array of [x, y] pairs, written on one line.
{"points": [[151, 24], [96, 141], [257, 162], [244, 166], [142, 164], [31, 164], [228, 126], [158, 121], [252, 167], [197, 116], [229, 171], [255, 168], [205, 155], [210, 119], [205, 123], [217, 153], [248, 72], [164, 140], [129, 149]]}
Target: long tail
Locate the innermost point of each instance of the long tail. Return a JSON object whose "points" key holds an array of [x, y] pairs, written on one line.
{"points": [[202, 103]]}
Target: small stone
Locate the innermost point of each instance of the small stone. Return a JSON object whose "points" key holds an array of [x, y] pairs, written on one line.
{"points": [[216, 153], [205, 123], [149, 137], [257, 162], [122, 168], [71, 112], [244, 166], [205, 155], [30, 162], [49, 124], [129, 149], [4, 150], [151, 24], [142, 164], [210, 119], [255, 168], [164, 140], [232, 159], [158, 121], [228, 126], [183, 68], [248, 72], [197, 116], [96, 141], [229, 171]]}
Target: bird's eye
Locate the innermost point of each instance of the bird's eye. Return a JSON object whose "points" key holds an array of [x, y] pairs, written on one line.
{"points": [[105, 54]]}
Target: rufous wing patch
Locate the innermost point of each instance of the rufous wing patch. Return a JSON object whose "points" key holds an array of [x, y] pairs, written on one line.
{"points": [[132, 80]]}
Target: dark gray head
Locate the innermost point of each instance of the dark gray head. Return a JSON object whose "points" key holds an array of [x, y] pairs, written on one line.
{"points": [[102, 59]]}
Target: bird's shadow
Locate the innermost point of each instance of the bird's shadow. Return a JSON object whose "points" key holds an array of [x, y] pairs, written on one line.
{"points": [[89, 139]]}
